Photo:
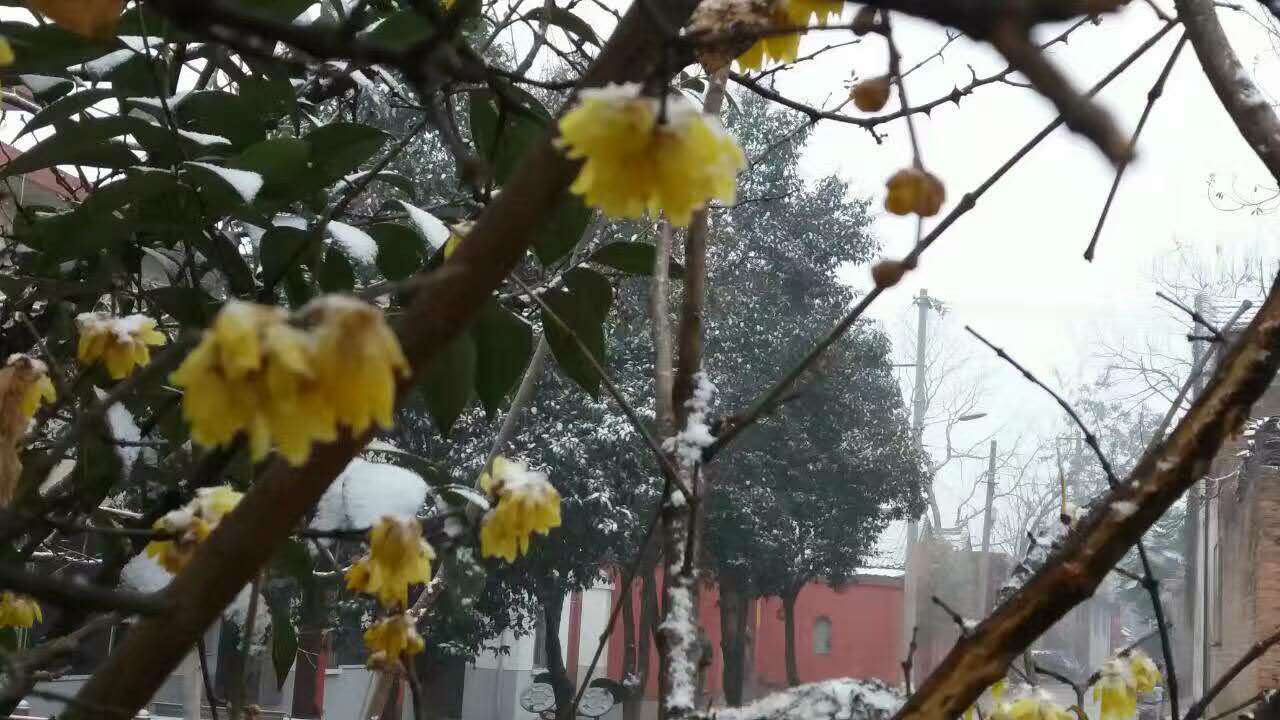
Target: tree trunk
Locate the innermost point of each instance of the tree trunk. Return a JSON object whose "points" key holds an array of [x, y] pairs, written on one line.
{"points": [[789, 632], [552, 607], [310, 659], [631, 709], [733, 644]]}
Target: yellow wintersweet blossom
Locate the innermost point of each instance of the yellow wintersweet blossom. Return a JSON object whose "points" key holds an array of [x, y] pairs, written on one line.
{"points": [[522, 503], [398, 557], [1114, 692], [6, 52], [390, 638], [94, 18], [190, 525], [358, 360], [253, 372], [19, 611], [1144, 672], [800, 11], [457, 234], [121, 344], [634, 161], [778, 47], [1036, 705], [24, 387]]}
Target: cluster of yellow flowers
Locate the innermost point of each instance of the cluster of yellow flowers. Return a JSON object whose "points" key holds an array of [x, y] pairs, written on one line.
{"points": [[254, 371], [398, 557], [391, 638], [1120, 682], [93, 18], [1034, 705], [635, 160], [784, 47], [522, 502], [121, 344], [18, 611], [189, 525]]}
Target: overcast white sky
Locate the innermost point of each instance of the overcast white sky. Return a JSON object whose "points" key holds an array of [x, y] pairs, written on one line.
{"points": [[1013, 267]]}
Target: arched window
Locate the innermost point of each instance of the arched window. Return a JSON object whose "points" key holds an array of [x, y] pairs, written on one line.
{"points": [[822, 636]]}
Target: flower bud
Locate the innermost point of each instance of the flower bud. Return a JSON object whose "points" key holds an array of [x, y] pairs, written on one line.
{"points": [[871, 95]]}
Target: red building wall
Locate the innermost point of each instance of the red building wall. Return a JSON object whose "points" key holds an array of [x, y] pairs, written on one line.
{"points": [[866, 622]]}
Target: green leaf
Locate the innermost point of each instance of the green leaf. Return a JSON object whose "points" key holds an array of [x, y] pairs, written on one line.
{"points": [[400, 250], [448, 381], [633, 258], [504, 344], [336, 274], [284, 641], [189, 306], [582, 306], [281, 250], [133, 188], [49, 49], [340, 148], [283, 165], [503, 134], [64, 108], [83, 143], [397, 180], [563, 230], [234, 117], [566, 21]]}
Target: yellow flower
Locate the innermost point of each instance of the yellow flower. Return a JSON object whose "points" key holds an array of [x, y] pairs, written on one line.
{"points": [[19, 611], [633, 163], [94, 18], [1035, 706], [398, 557], [997, 690], [1115, 693], [1144, 672], [824, 10], [6, 52], [781, 48], [358, 360], [121, 344], [523, 502], [390, 638], [190, 525], [253, 372], [24, 382]]}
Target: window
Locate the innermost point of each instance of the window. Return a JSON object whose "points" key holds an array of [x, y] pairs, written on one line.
{"points": [[822, 636]]}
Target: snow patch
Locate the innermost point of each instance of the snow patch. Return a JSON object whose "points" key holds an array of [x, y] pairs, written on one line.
{"points": [[1124, 508], [205, 139], [124, 429], [99, 68], [366, 491], [355, 242], [696, 436], [245, 183], [836, 699], [429, 225], [144, 574]]}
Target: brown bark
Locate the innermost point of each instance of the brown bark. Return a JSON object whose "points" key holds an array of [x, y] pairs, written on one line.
{"points": [[789, 634], [733, 642], [309, 661]]}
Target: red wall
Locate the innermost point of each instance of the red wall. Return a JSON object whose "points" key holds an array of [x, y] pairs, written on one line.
{"points": [[866, 620]]}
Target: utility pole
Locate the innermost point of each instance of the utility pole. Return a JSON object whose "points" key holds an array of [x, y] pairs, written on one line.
{"points": [[984, 560], [918, 407]]}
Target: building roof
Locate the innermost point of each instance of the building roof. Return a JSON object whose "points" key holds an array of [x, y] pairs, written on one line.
{"points": [[50, 180]]}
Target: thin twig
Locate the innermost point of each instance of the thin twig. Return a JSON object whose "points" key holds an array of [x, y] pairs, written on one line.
{"points": [[1152, 95], [70, 593], [1256, 651], [1199, 319]]}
